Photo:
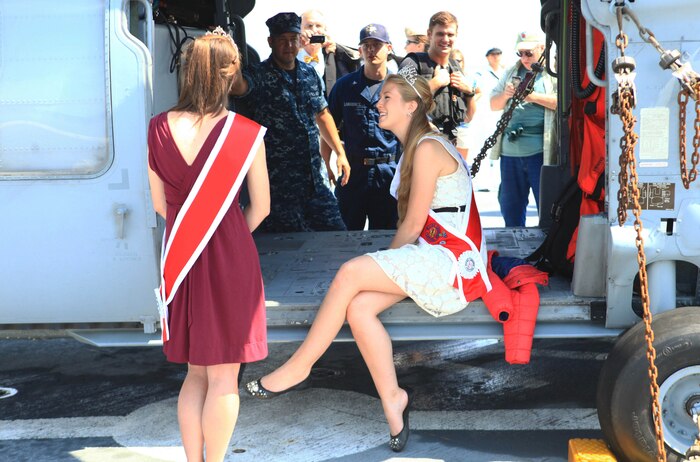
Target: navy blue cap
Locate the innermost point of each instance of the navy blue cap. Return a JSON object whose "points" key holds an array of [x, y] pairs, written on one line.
{"points": [[494, 51], [374, 31], [284, 22]]}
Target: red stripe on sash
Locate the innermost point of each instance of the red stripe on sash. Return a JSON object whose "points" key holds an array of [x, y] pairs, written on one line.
{"points": [[474, 224], [213, 192]]}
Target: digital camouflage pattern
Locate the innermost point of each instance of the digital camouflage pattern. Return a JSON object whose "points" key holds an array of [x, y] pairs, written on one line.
{"points": [[287, 102]]}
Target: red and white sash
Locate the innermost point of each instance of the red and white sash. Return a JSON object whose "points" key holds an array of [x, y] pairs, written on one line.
{"points": [[466, 249], [205, 206]]}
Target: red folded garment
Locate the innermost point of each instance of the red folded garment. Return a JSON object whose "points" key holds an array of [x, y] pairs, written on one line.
{"points": [[498, 300], [523, 274], [519, 330], [514, 302]]}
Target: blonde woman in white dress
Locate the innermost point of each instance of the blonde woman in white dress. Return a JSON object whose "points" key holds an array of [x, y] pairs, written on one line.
{"points": [[432, 176]]}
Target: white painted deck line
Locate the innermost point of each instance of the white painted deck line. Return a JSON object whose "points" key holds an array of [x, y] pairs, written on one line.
{"points": [[67, 427], [306, 426], [487, 420]]}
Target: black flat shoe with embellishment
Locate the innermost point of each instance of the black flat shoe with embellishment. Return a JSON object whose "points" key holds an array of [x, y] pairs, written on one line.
{"points": [[398, 442], [256, 389]]}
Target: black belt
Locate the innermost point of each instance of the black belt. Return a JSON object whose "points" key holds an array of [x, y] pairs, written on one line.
{"points": [[461, 208], [369, 161]]}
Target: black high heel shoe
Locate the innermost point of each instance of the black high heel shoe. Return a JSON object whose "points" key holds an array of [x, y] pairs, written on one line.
{"points": [[256, 389], [398, 442]]}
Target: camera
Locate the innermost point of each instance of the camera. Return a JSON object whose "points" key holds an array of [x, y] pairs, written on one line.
{"points": [[513, 135], [515, 81], [317, 39]]}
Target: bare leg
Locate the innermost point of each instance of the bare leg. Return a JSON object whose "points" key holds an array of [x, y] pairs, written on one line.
{"points": [[357, 275], [375, 345], [189, 412], [220, 409]]}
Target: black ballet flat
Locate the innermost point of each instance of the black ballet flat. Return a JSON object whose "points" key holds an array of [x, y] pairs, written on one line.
{"points": [[256, 389], [398, 442]]}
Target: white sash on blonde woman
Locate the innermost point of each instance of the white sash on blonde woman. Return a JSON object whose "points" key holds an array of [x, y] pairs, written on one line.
{"points": [[206, 204]]}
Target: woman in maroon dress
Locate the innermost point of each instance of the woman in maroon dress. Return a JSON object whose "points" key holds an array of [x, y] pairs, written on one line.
{"points": [[217, 314]]}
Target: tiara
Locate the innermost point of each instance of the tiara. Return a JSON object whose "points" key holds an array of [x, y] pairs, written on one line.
{"points": [[410, 75], [221, 33]]}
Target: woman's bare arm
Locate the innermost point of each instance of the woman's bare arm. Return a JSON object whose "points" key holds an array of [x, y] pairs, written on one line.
{"points": [[258, 190], [430, 162], [157, 192]]}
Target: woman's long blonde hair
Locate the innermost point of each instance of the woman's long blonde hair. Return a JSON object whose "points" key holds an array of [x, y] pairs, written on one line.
{"points": [[419, 127], [210, 63]]}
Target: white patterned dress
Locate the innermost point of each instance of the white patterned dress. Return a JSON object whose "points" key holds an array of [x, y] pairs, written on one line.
{"points": [[422, 270]]}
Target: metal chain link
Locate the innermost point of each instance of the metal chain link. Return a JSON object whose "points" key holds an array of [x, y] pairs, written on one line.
{"points": [[628, 121], [625, 102], [622, 105], [627, 142], [628, 152], [684, 95], [524, 89]]}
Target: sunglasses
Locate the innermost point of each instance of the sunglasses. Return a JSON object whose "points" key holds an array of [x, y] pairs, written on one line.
{"points": [[415, 42], [526, 53]]}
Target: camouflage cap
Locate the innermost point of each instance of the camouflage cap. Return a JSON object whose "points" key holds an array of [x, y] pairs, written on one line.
{"points": [[284, 22]]}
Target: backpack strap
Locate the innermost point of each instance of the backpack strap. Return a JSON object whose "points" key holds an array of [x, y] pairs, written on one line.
{"points": [[550, 256], [421, 59]]}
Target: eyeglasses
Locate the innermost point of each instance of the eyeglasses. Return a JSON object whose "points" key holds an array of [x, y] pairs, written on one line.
{"points": [[415, 42], [526, 53]]}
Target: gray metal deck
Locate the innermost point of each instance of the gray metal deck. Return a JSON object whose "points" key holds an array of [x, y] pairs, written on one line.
{"points": [[298, 267]]}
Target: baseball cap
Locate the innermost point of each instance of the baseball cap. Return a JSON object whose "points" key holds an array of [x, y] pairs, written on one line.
{"points": [[494, 51], [528, 40], [374, 31]]}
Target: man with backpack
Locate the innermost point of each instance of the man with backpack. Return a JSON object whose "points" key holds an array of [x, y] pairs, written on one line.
{"points": [[454, 93]]}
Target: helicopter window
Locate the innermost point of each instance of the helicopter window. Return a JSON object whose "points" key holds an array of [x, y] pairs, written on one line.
{"points": [[53, 121]]}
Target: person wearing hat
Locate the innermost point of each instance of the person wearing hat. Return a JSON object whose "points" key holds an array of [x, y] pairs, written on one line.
{"points": [[285, 95], [528, 140], [416, 40], [330, 59], [453, 91], [371, 150], [484, 124], [489, 77]]}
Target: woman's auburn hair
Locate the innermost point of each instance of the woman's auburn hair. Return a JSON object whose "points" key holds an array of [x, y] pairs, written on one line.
{"points": [[210, 63]]}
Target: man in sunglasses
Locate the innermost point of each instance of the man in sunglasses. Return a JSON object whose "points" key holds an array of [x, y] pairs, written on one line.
{"points": [[527, 142], [416, 40]]}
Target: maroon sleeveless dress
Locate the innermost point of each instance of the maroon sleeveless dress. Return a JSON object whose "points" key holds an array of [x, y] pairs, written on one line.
{"points": [[217, 315]]}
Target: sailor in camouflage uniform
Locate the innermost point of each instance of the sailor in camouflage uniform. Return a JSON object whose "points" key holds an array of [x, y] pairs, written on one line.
{"points": [[285, 95]]}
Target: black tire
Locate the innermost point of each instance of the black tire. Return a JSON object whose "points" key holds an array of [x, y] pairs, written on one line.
{"points": [[624, 398]]}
